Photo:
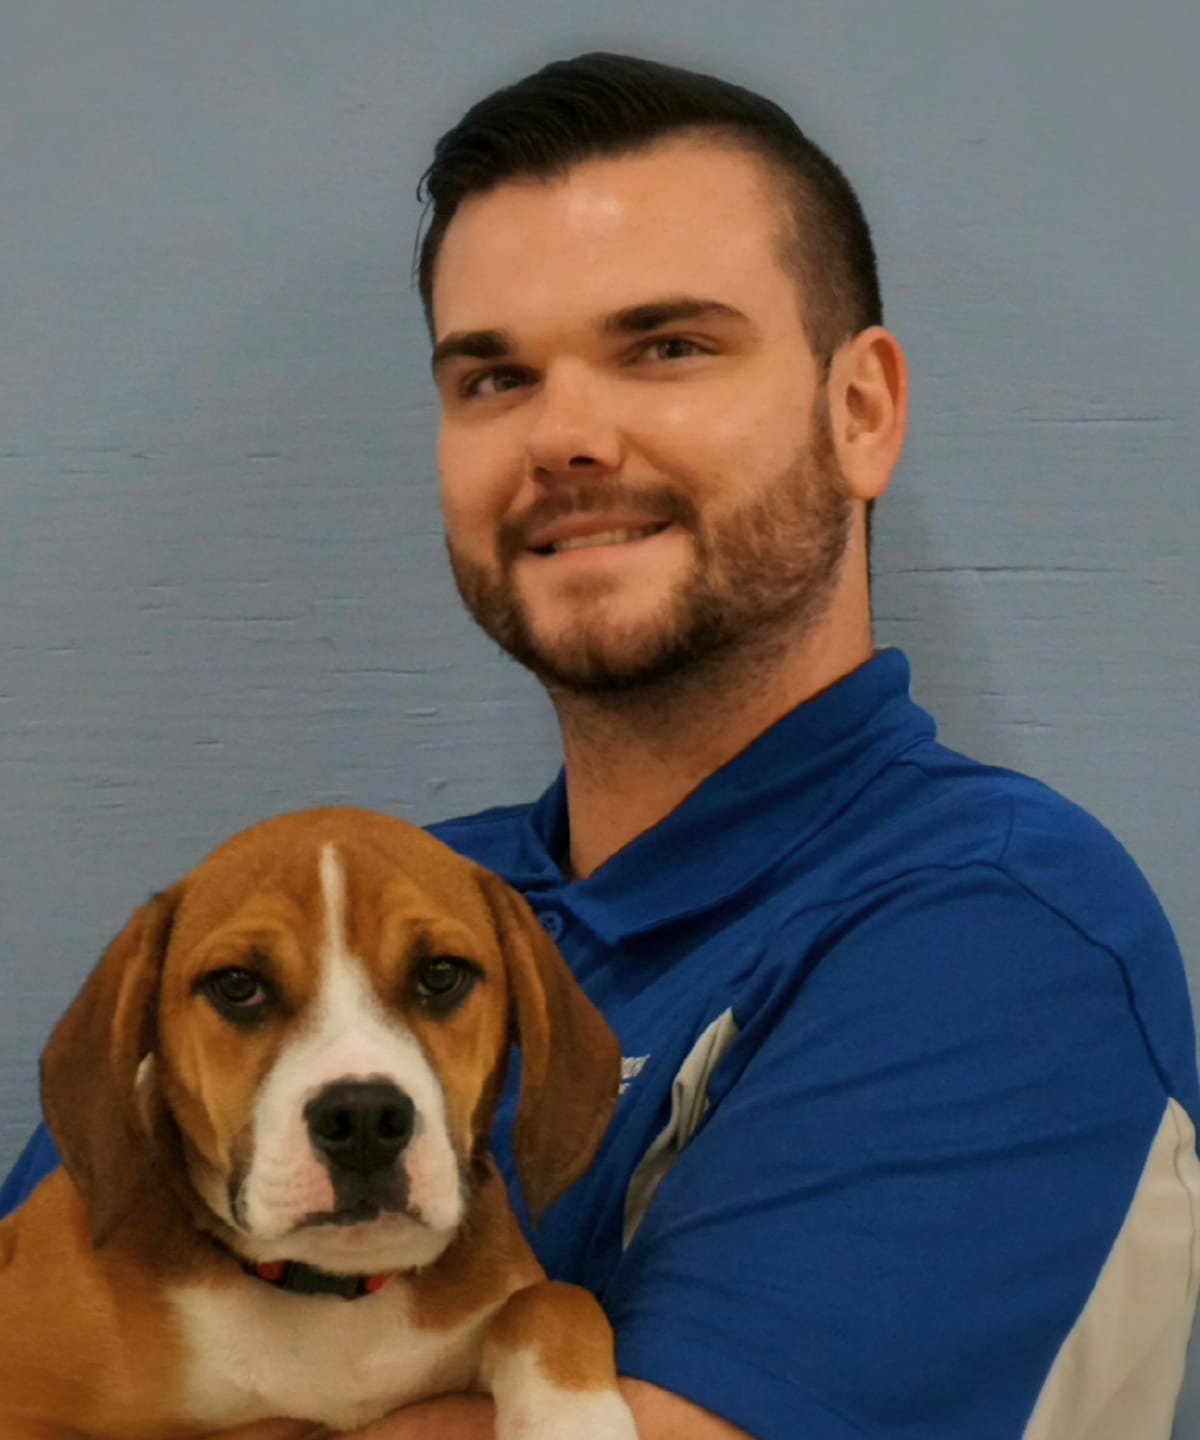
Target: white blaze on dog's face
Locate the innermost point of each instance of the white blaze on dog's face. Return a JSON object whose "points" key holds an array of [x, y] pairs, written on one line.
{"points": [[331, 1048], [353, 1078]]}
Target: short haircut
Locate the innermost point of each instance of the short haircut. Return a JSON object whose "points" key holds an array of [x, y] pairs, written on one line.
{"points": [[602, 105]]}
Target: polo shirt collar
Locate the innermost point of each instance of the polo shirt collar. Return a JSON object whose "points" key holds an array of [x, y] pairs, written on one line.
{"points": [[769, 799]]}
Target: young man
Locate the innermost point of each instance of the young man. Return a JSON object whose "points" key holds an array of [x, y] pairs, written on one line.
{"points": [[906, 1145]]}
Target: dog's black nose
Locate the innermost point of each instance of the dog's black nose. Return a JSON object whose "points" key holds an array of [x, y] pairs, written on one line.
{"points": [[360, 1126]]}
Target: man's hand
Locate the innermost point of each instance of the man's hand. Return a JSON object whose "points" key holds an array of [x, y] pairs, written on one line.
{"points": [[272, 1430], [450, 1417], [660, 1415]]}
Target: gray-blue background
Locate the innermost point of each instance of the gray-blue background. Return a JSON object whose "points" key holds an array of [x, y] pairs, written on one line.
{"points": [[224, 592]]}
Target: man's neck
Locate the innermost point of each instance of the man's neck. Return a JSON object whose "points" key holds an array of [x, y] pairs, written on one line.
{"points": [[632, 759]]}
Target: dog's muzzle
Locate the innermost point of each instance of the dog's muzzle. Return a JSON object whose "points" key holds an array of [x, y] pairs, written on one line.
{"points": [[358, 1130]]}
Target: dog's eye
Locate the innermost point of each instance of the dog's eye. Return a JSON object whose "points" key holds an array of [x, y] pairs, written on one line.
{"points": [[443, 980], [236, 989]]}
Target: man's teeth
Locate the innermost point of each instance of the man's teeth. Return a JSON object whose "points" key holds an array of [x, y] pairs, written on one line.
{"points": [[605, 537]]}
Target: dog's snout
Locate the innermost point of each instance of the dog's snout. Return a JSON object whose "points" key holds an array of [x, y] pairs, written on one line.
{"points": [[360, 1126]]}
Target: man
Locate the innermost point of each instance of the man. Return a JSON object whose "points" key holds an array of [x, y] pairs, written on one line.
{"points": [[906, 1145]]}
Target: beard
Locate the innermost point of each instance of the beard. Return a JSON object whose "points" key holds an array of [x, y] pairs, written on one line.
{"points": [[759, 573]]}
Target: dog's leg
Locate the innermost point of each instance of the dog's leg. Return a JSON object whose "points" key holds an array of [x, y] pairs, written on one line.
{"points": [[548, 1362]]}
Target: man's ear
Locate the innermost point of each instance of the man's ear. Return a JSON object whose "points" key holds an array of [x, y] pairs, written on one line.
{"points": [[570, 1059], [868, 409], [90, 1065]]}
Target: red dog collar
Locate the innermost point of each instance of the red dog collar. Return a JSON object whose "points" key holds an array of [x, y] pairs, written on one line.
{"points": [[304, 1279]]}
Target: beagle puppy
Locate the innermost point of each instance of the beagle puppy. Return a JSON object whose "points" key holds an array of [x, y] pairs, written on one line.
{"points": [[272, 1100]]}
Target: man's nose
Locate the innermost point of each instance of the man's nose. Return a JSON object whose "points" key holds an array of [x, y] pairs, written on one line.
{"points": [[574, 426]]}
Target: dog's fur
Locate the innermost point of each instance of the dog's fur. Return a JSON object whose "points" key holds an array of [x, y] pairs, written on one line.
{"points": [[298, 965]]}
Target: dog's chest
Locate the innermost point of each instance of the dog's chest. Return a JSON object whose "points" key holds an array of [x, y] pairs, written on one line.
{"points": [[253, 1352]]}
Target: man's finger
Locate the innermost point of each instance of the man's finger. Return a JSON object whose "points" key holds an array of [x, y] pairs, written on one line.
{"points": [[273, 1430]]}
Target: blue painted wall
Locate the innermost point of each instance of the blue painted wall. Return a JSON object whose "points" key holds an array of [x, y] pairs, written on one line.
{"points": [[224, 592]]}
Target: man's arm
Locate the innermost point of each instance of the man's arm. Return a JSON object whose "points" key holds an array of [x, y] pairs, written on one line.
{"points": [[659, 1414]]}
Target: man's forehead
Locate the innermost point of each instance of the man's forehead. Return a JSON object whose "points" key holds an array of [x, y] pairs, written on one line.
{"points": [[685, 220], [601, 195]]}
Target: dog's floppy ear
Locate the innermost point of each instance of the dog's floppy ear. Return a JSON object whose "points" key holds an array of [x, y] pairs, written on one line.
{"points": [[90, 1065], [570, 1059]]}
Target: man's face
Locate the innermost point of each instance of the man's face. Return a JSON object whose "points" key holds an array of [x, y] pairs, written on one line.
{"points": [[636, 464]]}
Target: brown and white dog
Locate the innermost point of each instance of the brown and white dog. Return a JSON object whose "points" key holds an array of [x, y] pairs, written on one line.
{"points": [[274, 1093]]}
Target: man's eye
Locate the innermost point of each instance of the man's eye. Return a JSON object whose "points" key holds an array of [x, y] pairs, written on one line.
{"points": [[674, 347], [494, 382]]}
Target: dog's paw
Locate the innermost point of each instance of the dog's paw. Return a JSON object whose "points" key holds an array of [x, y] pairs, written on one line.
{"points": [[567, 1415], [548, 1362]]}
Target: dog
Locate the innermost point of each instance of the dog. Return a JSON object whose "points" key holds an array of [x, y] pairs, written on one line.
{"points": [[272, 1100]]}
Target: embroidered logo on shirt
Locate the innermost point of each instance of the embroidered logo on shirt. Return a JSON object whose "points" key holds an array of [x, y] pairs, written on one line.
{"points": [[689, 1101], [631, 1067]]}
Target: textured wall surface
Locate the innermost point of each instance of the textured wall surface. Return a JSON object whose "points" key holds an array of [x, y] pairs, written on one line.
{"points": [[224, 592]]}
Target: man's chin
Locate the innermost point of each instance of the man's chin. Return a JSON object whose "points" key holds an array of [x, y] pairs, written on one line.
{"points": [[603, 640], [615, 655], [599, 666]]}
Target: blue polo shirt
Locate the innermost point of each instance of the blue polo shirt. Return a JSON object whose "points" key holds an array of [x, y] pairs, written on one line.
{"points": [[905, 1145]]}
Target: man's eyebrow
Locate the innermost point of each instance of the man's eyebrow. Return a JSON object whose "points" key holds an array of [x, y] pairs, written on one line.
{"points": [[640, 319], [654, 314], [472, 345]]}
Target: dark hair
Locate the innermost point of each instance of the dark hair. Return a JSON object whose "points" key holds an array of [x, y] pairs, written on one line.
{"points": [[603, 105]]}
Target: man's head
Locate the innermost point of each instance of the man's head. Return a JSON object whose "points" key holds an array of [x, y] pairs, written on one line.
{"points": [[586, 221]]}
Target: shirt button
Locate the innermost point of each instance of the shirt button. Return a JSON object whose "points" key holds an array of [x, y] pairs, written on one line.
{"points": [[552, 923]]}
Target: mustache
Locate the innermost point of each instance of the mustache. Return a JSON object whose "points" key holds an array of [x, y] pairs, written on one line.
{"points": [[651, 504]]}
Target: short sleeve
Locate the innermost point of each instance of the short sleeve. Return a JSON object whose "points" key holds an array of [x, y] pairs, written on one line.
{"points": [[35, 1162], [917, 1158]]}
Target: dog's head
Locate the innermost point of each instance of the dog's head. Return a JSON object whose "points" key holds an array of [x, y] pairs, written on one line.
{"points": [[313, 1025]]}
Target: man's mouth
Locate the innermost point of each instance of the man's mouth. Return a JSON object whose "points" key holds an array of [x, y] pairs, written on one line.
{"points": [[599, 537]]}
